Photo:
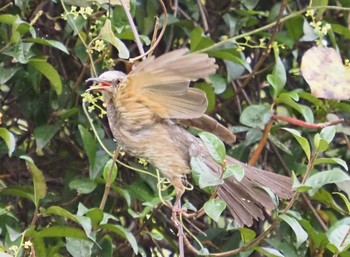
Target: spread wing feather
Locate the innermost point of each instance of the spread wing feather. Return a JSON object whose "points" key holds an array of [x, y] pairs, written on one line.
{"points": [[166, 80]]}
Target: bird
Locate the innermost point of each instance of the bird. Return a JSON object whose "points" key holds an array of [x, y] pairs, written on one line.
{"points": [[147, 110]]}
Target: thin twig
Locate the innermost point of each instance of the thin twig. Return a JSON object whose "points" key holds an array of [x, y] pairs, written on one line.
{"points": [[171, 33], [203, 15], [314, 212], [305, 124], [108, 181], [268, 26], [262, 143], [133, 27], [160, 34]]}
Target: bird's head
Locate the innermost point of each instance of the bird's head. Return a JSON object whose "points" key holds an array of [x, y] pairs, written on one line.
{"points": [[107, 81]]}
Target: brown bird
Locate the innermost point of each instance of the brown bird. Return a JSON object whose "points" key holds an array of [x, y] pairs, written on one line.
{"points": [[144, 109]]}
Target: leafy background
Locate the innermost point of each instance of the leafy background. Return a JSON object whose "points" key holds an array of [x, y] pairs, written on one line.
{"points": [[55, 156]]}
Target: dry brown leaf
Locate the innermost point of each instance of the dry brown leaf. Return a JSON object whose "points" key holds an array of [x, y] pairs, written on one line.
{"points": [[327, 76]]}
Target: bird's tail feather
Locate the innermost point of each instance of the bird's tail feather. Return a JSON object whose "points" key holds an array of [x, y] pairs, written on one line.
{"points": [[245, 199]]}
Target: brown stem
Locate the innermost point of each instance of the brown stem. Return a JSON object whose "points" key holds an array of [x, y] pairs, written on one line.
{"points": [[133, 27], [204, 18], [108, 182], [262, 143], [160, 34], [305, 124], [303, 196], [314, 212]]}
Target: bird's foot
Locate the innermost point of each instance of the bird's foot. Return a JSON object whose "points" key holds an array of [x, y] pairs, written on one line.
{"points": [[177, 211]]}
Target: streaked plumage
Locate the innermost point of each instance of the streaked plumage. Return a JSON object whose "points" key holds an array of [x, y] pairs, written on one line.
{"points": [[144, 109]]}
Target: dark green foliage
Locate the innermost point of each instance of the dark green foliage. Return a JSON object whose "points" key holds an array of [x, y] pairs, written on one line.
{"points": [[56, 150]]}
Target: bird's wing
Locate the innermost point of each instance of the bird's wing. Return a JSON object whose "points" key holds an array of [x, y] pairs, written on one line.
{"points": [[209, 124], [163, 82]]}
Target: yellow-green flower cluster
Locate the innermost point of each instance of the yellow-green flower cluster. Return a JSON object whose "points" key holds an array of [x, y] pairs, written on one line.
{"points": [[320, 27], [108, 63], [143, 162], [84, 12], [242, 46], [99, 45], [347, 62], [94, 103], [97, 25]]}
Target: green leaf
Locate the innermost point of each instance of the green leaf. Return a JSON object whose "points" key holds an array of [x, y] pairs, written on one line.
{"points": [[332, 160], [44, 134], [255, 116], [208, 89], [328, 133], [156, 235], [142, 191], [304, 110], [9, 139], [79, 247], [7, 19], [4, 212], [107, 246], [318, 239], [110, 171], [285, 246], [76, 22], [21, 52], [203, 252], [345, 199], [85, 222], [234, 68], [247, 234], [13, 234], [199, 40], [95, 215], [38, 180], [189, 206], [83, 185], [49, 72], [342, 30], [234, 170], [299, 232], [24, 192], [108, 35], [339, 236], [320, 11], [59, 231], [268, 252], [39, 246], [59, 211], [302, 141], [214, 145], [281, 145], [278, 77], [48, 42], [320, 144], [124, 233], [324, 197], [249, 4], [203, 176], [6, 74], [320, 179], [89, 145], [218, 83], [214, 207]]}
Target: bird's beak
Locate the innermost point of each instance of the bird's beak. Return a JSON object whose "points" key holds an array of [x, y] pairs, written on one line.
{"points": [[101, 86]]}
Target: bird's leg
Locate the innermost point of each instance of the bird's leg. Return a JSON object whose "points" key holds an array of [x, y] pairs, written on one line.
{"points": [[179, 189]]}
